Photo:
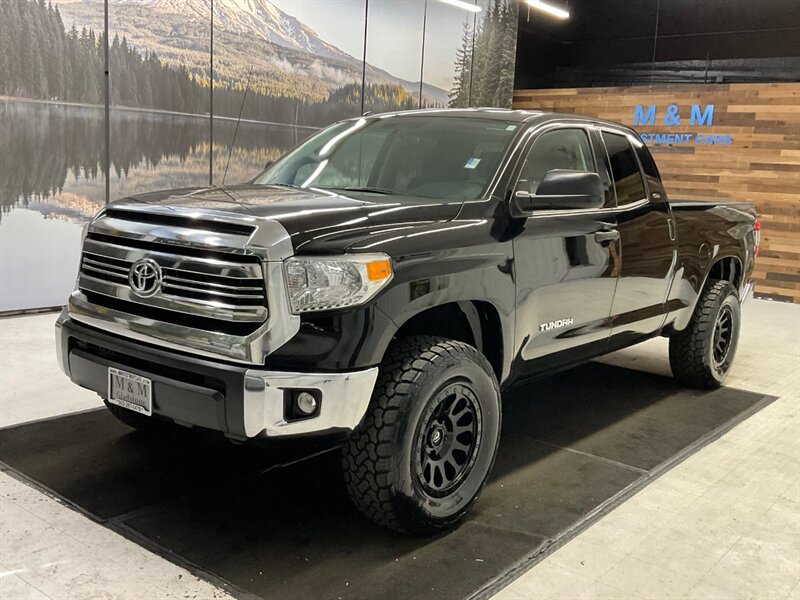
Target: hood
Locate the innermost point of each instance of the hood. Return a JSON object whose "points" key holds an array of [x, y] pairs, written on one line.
{"points": [[317, 221]]}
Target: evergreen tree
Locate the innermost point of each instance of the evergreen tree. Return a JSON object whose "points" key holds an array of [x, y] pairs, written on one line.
{"points": [[460, 92], [489, 53], [4, 48], [484, 68], [508, 52], [41, 59]]}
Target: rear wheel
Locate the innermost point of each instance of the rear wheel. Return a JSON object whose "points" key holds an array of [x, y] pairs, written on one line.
{"points": [[429, 439], [701, 355]]}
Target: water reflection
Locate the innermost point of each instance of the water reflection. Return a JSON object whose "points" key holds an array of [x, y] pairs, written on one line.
{"points": [[51, 169]]}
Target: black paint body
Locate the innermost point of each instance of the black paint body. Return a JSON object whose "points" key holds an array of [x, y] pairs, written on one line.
{"points": [[474, 271]]}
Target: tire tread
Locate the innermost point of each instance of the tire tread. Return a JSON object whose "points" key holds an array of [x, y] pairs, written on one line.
{"points": [[368, 456], [687, 348]]}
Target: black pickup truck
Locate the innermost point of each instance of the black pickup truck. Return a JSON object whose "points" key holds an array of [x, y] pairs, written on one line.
{"points": [[387, 279]]}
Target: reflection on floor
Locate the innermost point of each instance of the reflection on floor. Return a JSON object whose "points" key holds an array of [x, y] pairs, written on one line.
{"points": [[64, 554]]}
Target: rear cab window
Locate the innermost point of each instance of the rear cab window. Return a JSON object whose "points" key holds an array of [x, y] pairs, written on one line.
{"points": [[625, 170], [650, 169]]}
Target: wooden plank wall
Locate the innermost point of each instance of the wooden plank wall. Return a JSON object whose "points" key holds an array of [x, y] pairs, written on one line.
{"points": [[761, 165]]}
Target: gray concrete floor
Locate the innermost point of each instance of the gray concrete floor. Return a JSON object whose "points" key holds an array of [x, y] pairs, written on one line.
{"points": [[723, 524]]}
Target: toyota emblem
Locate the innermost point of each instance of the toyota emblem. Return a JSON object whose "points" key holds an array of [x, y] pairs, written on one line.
{"points": [[145, 277]]}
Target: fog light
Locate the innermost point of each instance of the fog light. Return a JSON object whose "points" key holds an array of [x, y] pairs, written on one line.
{"points": [[306, 403]]}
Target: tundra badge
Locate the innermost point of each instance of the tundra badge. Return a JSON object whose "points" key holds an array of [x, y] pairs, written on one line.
{"points": [[555, 324]]}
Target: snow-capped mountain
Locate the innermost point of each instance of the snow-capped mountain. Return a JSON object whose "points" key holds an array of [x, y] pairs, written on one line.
{"points": [[246, 17], [253, 39]]}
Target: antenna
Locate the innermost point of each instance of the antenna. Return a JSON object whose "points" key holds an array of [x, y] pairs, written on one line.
{"points": [[238, 120]]}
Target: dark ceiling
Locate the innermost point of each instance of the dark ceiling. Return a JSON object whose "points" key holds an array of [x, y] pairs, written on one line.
{"points": [[610, 42]]}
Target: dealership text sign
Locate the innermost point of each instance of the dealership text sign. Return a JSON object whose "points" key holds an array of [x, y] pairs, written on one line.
{"points": [[698, 116]]}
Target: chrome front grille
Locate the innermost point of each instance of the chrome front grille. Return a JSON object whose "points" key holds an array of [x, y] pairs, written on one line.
{"points": [[223, 289], [236, 291]]}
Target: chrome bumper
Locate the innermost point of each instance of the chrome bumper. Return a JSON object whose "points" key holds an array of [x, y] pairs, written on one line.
{"points": [[62, 360], [344, 400], [251, 404]]}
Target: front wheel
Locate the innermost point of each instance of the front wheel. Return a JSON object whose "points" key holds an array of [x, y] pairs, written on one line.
{"points": [[701, 355], [428, 441]]}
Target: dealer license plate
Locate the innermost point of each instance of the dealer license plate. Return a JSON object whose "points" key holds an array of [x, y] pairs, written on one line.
{"points": [[130, 391]]}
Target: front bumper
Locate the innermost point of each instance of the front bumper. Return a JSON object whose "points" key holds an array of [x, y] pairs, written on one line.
{"points": [[242, 402]]}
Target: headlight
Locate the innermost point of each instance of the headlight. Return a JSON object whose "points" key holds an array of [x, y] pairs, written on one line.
{"points": [[325, 283]]}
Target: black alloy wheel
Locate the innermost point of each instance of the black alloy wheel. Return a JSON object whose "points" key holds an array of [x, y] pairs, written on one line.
{"points": [[448, 439], [723, 336], [421, 456], [701, 355]]}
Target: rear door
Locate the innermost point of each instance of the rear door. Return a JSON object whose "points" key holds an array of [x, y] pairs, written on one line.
{"points": [[647, 238], [565, 260]]}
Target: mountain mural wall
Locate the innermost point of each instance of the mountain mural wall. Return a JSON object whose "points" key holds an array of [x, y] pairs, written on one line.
{"points": [[160, 57], [255, 42], [175, 121]]}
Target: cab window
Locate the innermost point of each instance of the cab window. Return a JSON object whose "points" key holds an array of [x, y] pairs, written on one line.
{"points": [[649, 167], [557, 149], [625, 170]]}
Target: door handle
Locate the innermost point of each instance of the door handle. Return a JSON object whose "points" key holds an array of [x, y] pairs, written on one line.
{"points": [[606, 236]]}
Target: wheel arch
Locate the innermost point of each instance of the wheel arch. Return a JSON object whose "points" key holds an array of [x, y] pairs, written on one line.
{"points": [[474, 322], [726, 267]]}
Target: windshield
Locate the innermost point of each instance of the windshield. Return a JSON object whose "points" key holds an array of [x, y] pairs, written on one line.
{"points": [[430, 157]]}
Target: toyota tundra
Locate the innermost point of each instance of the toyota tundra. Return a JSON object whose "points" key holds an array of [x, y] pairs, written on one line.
{"points": [[389, 278]]}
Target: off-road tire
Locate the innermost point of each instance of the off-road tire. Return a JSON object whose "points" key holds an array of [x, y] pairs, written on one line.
{"points": [[133, 419], [691, 351], [383, 459]]}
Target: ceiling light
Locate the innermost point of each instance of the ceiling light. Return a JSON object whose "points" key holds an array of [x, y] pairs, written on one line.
{"points": [[462, 4], [549, 9]]}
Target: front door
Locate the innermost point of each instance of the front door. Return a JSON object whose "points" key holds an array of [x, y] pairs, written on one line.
{"points": [[566, 261]]}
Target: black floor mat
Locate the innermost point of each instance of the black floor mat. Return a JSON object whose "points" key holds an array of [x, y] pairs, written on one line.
{"points": [[571, 444]]}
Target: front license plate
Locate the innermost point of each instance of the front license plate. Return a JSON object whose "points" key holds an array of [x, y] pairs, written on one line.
{"points": [[130, 391]]}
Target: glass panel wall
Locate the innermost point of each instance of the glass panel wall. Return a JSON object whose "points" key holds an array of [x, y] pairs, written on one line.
{"points": [[287, 67], [447, 61], [159, 65], [491, 81], [394, 56], [181, 74], [51, 174]]}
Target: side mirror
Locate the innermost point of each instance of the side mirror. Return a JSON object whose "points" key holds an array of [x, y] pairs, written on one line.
{"points": [[561, 189], [269, 164]]}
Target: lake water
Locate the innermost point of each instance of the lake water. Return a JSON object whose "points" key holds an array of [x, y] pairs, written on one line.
{"points": [[51, 180]]}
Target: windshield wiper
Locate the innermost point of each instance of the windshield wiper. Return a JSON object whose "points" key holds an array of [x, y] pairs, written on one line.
{"points": [[369, 190]]}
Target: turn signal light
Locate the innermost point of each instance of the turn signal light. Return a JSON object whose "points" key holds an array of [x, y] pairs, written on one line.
{"points": [[378, 270]]}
